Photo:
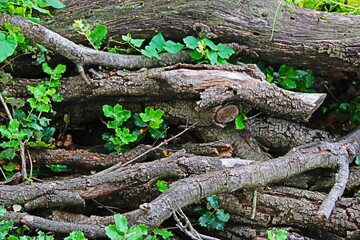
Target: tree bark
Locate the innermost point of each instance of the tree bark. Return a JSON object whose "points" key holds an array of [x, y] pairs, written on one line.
{"points": [[302, 37]]}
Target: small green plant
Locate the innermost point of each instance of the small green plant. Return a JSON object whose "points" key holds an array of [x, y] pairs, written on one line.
{"points": [[32, 129], [58, 168], [347, 111], [121, 231], [279, 235], [205, 51], [162, 186], [333, 6], [95, 36], [212, 216], [239, 120], [25, 8], [150, 121]]}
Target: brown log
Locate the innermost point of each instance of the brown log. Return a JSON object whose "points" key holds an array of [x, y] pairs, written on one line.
{"points": [[302, 37]]}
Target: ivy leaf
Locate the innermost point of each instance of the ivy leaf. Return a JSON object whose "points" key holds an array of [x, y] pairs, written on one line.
{"points": [[136, 232], [210, 44], [121, 223], [191, 42], [8, 45], [76, 235], [289, 83], [158, 42], [239, 122], [222, 216], [162, 186], [196, 55], [55, 4], [164, 233], [13, 125], [357, 160], [98, 35], [173, 47], [58, 168], [150, 51], [213, 201], [212, 56], [206, 218], [225, 51], [137, 42], [8, 153], [138, 121], [113, 234]]}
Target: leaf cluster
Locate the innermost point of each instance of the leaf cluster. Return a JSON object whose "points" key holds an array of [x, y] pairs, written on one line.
{"points": [[333, 6], [31, 128], [212, 216], [347, 111], [288, 77], [95, 36], [151, 120], [279, 235], [25, 8], [121, 231]]}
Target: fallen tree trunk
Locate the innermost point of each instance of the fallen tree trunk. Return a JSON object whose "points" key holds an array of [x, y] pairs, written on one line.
{"points": [[302, 37]]}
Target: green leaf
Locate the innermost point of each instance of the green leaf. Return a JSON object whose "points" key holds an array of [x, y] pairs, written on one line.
{"points": [[58, 168], [239, 122], [173, 47], [225, 51], [2, 211], [8, 153], [108, 111], [213, 200], [357, 160], [76, 235], [150, 51], [98, 35], [5, 227], [206, 218], [210, 44], [162, 186], [222, 216], [121, 223], [137, 42], [46, 69], [43, 236], [288, 83], [8, 45], [136, 232], [13, 125], [191, 42], [196, 55], [9, 167], [59, 69], [158, 42], [164, 233], [47, 134], [55, 4], [15, 102], [113, 234], [136, 119], [212, 56], [281, 235]]}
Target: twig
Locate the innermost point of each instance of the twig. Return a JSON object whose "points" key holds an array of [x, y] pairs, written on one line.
{"points": [[188, 229], [274, 22], [158, 146], [22, 146], [254, 201]]}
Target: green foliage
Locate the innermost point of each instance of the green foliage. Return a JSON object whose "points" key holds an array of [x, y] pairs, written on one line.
{"points": [[205, 51], [333, 6], [288, 77], [150, 121], [212, 216], [32, 129], [357, 160], [239, 120], [58, 168], [25, 8], [162, 186], [95, 37], [347, 111], [121, 230], [77, 235], [279, 235]]}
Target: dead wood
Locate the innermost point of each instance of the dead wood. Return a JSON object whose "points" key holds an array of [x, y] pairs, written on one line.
{"points": [[302, 37], [214, 85], [280, 205]]}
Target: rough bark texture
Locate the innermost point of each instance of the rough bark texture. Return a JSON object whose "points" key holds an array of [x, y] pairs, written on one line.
{"points": [[302, 37]]}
